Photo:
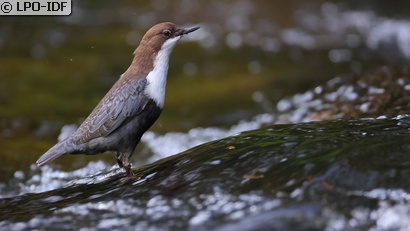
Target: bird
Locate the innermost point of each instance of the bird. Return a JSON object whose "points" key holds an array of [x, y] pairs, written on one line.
{"points": [[131, 106]]}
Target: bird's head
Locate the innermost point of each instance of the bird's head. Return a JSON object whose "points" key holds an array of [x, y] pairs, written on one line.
{"points": [[164, 36]]}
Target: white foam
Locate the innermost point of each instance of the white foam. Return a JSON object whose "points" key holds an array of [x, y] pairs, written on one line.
{"points": [[175, 142], [390, 32]]}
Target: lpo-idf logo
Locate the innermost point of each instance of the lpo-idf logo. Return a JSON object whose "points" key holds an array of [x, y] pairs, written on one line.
{"points": [[32, 7]]}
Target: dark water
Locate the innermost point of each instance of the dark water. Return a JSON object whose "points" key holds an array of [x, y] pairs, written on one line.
{"points": [[336, 175]]}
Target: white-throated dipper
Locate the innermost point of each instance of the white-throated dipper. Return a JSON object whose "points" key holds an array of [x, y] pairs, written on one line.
{"points": [[131, 106]]}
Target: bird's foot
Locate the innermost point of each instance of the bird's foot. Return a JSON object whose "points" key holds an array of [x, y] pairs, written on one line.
{"points": [[123, 162], [128, 170]]}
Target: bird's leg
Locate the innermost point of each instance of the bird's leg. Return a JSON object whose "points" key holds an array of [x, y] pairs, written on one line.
{"points": [[119, 161], [124, 162], [127, 167]]}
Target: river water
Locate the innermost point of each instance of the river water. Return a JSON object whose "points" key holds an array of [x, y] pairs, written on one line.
{"points": [[348, 174]]}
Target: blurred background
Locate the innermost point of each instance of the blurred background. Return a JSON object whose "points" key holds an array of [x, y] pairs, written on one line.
{"points": [[246, 57]]}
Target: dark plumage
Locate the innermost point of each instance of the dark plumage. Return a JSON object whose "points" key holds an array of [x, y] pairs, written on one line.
{"points": [[131, 106]]}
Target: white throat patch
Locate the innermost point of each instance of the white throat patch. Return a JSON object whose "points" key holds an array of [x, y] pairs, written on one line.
{"points": [[157, 78]]}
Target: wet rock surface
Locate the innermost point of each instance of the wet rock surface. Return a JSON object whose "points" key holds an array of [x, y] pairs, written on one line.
{"points": [[347, 174]]}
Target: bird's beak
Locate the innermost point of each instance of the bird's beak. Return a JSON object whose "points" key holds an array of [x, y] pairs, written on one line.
{"points": [[187, 31]]}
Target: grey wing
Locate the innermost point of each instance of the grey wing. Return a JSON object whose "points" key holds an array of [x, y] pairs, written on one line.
{"points": [[121, 102]]}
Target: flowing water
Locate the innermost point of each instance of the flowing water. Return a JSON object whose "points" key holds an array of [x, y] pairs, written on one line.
{"points": [[348, 174]]}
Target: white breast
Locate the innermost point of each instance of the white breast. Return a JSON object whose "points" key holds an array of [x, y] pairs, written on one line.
{"points": [[157, 78]]}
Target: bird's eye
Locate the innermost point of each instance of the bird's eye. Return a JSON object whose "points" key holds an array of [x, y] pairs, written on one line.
{"points": [[167, 33]]}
